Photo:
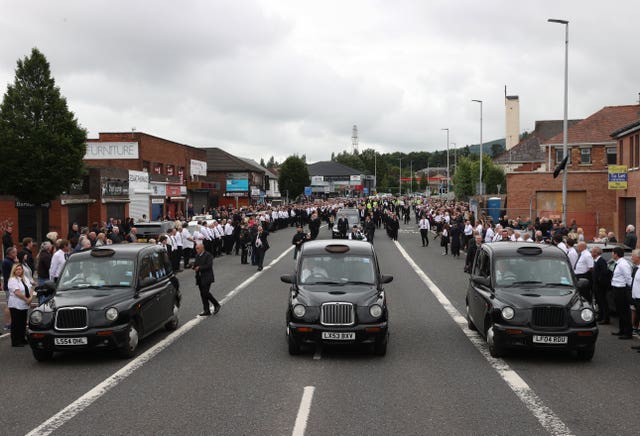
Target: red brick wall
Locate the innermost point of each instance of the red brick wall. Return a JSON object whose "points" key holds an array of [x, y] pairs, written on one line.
{"points": [[601, 202]]}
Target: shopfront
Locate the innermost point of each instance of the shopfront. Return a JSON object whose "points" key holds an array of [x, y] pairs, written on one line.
{"points": [[139, 195]]}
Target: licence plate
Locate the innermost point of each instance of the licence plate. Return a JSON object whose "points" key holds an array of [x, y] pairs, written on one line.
{"points": [[339, 336], [550, 339], [70, 341]]}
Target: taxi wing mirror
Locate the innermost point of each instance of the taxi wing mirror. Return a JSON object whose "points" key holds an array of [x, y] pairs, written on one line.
{"points": [[385, 278], [287, 278], [481, 280]]}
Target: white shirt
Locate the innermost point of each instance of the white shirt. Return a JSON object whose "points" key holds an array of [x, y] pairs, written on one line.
{"points": [[488, 237], [15, 302], [178, 238], [635, 287], [572, 254], [585, 262], [621, 274], [187, 239], [57, 262], [468, 229], [562, 246], [228, 229], [424, 224]]}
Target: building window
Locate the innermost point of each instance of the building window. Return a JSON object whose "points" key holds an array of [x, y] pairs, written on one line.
{"points": [[146, 166], [621, 148], [585, 156], [157, 168], [636, 150], [170, 170], [560, 155], [632, 152], [611, 155]]}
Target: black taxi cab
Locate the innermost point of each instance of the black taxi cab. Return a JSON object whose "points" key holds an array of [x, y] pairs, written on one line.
{"points": [[524, 295], [106, 298], [337, 297]]}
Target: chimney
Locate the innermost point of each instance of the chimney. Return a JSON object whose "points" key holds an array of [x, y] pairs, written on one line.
{"points": [[512, 120]]}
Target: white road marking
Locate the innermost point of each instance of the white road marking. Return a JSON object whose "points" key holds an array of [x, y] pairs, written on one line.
{"points": [[303, 412], [547, 418], [6, 335], [75, 408]]}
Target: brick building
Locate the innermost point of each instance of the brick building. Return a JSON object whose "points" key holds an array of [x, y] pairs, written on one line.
{"points": [[591, 150], [127, 175], [628, 150]]}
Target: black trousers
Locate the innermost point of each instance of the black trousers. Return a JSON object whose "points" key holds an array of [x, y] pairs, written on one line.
{"points": [[621, 297], [424, 234], [18, 326], [259, 256], [186, 252], [603, 304], [206, 297]]}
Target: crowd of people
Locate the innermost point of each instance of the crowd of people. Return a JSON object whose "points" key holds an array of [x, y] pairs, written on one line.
{"points": [[244, 232]]}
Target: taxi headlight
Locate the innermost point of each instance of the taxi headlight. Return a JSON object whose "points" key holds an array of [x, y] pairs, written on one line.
{"points": [[375, 311], [299, 310], [586, 315], [508, 313], [111, 314], [35, 317]]}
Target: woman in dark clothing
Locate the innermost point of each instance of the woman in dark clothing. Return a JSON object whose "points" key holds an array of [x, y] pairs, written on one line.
{"points": [[455, 240], [444, 239], [44, 262]]}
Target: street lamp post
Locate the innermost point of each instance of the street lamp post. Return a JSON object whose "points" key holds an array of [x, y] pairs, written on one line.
{"points": [[480, 188], [400, 178], [455, 158], [411, 171], [447, 129], [564, 124], [375, 171]]}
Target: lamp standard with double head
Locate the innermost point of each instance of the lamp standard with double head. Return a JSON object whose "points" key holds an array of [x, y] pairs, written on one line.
{"points": [[564, 123], [480, 188], [400, 177]]}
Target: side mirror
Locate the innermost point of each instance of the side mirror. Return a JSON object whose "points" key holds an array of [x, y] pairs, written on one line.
{"points": [[386, 278], [481, 281], [287, 278]]}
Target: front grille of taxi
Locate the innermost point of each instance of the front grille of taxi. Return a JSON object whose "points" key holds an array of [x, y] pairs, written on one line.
{"points": [[549, 316], [337, 314], [71, 318]]}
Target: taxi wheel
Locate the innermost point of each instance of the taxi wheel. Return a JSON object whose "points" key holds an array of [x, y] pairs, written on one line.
{"points": [[586, 354], [494, 349], [131, 346], [380, 347], [470, 323], [42, 355], [294, 347], [175, 319]]}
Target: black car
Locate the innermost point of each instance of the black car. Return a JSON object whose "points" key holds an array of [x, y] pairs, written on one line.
{"points": [[337, 296], [524, 295], [107, 298]]}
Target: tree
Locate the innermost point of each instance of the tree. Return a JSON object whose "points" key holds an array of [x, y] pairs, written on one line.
{"points": [[262, 164], [468, 173], [41, 143], [294, 176]]}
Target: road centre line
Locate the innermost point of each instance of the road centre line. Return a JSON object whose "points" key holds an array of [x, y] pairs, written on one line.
{"points": [[303, 412], [545, 416], [75, 408]]}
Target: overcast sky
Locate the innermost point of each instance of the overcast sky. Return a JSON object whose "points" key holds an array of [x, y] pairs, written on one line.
{"points": [[263, 78]]}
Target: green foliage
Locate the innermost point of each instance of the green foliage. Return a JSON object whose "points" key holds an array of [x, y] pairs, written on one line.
{"points": [[468, 174], [41, 142], [294, 176]]}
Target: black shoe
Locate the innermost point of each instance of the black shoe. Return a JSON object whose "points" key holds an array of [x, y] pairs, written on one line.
{"points": [[616, 333], [216, 309], [625, 337], [606, 321], [259, 268], [205, 314]]}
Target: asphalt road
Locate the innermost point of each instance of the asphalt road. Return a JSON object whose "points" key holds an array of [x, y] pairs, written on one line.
{"points": [[230, 374]]}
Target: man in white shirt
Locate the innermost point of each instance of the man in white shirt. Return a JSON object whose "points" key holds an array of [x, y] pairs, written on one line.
{"points": [[584, 268], [620, 285], [58, 260], [228, 237], [488, 237], [635, 289], [424, 226], [572, 253]]}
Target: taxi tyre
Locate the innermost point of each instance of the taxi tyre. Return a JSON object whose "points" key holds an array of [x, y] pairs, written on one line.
{"points": [[380, 347], [586, 354], [470, 325], [495, 350], [130, 347], [173, 324], [294, 347], [42, 355]]}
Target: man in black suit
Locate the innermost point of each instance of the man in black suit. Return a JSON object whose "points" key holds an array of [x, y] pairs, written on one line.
{"points": [[471, 252], [601, 282], [203, 266], [260, 245], [343, 226]]}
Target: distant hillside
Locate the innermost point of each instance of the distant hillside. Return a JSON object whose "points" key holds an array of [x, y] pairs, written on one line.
{"points": [[487, 147]]}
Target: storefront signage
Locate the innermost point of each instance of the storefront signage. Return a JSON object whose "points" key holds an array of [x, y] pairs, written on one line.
{"points": [[158, 190], [157, 201], [173, 190], [617, 177], [235, 185], [235, 194], [138, 177], [354, 178], [111, 150], [316, 180], [198, 168], [115, 188], [24, 204]]}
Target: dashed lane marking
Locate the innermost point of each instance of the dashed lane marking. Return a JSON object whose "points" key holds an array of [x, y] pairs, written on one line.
{"points": [[303, 412], [545, 416]]}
